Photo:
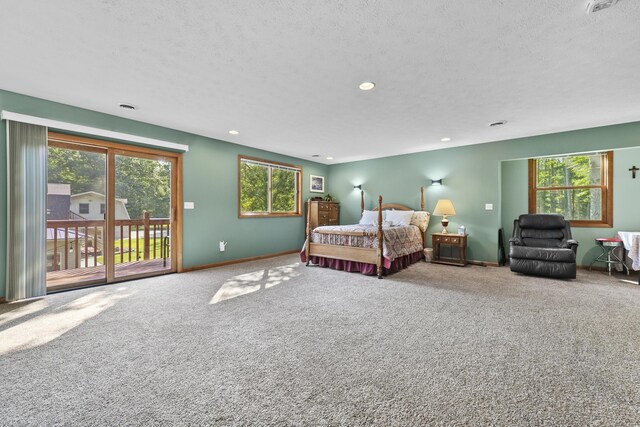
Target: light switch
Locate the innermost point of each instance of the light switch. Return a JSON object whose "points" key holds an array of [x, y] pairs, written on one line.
{"points": [[488, 206], [189, 205]]}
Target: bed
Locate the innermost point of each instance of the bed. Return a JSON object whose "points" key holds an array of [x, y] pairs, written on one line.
{"points": [[372, 247]]}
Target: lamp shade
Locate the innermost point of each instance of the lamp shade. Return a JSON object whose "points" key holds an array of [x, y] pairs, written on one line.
{"points": [[444, 207]]}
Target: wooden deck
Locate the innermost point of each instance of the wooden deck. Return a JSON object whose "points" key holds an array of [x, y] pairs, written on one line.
{"points": [[95, 274]]}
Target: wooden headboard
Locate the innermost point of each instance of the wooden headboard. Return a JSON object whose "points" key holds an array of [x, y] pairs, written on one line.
{"points": [[395, 206]]}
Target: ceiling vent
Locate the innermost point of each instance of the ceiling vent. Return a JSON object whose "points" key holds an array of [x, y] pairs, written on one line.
{"points": [[598, 5]]}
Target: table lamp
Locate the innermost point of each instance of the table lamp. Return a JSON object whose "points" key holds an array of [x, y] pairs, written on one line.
{"points": [[443, 208]]}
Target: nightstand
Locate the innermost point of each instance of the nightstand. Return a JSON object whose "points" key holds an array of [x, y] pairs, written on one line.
{"points": [[455, 246]]}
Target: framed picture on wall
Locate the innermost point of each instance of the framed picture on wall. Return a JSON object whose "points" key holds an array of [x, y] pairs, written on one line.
{"points": [[316, 184]]}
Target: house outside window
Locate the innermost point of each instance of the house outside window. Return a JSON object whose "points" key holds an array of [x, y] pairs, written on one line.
{"points": [[83, 208], [579, 187], [268, 188], [103, 208]]}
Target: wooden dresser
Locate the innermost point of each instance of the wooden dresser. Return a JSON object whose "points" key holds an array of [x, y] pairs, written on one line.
{"points": [[324, 213]]}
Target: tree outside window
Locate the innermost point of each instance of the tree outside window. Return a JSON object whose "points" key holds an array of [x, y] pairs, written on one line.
{"points": [[268, 188], [579, 187]]}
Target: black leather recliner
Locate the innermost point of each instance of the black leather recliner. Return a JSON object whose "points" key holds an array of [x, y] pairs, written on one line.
{"points": [[542, 246]]}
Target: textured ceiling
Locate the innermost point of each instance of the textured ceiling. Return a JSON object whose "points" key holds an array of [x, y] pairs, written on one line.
{"points": [[285, 73]]}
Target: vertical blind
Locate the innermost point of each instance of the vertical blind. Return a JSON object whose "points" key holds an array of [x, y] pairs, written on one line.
{"points": [[26, 210]]}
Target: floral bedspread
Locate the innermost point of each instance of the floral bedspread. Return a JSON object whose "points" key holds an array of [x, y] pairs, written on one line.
{"points": [[398, 241]]}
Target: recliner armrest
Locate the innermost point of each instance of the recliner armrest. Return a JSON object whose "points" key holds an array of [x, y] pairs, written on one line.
{"points": [[516, 241], [571, 244]]}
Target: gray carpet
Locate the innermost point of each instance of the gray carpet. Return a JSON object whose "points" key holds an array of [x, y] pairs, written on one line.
{"points": [[274, 343]]}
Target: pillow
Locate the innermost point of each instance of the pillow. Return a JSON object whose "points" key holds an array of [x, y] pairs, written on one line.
{"points": [[421, 220], [369, 218], [399, 217]]}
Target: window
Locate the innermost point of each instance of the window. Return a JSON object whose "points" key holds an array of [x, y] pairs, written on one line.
{"points": [[83, 208], [579, 187], [103, 208], [268, 188]]}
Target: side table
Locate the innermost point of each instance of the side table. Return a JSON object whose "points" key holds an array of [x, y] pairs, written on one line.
{"points": [[457, 244]]}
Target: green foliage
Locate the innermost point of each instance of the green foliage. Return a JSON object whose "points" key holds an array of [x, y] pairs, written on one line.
{"points": [[283, 190], [146, 184], [582, 173], [155, 250], [83, 170], [254, 189]]}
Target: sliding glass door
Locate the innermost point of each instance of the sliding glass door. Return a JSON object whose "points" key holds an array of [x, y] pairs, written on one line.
{"points": [[111, 212], [143, 210], [76, 189]]}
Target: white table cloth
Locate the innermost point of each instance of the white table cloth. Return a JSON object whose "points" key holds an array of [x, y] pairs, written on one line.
{"points": [[631, 241]]}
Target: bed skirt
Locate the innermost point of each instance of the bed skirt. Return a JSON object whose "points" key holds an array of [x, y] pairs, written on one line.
{"points": [[389, 267]]}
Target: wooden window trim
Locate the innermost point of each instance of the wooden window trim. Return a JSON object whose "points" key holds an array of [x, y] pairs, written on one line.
{"points": [[110, 149], [298, 211], [606, 180]]}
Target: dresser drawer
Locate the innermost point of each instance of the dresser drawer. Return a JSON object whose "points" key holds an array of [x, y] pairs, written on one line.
{"points": [[323, 213], [451, 240]]}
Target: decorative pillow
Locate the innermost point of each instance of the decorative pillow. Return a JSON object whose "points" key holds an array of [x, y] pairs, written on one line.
{"points": [[369, 218], [421, 220], [399, 217]]}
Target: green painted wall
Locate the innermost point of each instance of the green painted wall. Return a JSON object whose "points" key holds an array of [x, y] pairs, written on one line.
{"points": [[626, 201], [473, 176], [515, 194], [209, 180]]}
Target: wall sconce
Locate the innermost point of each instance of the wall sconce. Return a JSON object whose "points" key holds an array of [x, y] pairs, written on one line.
{"points": [[357, 187], [436, 181]]}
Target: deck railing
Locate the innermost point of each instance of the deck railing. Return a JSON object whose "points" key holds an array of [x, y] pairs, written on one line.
{"points": [[78, 241]]}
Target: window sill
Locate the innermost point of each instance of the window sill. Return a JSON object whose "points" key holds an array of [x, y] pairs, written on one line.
{"points": [[272, 215], [589, 224]]}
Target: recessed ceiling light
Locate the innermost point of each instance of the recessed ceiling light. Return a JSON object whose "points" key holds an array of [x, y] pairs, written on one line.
{"points": [[498, 123], [127, 106], [315, 155], [367, 85], [329, 158], [445, 139], [233, 132]]}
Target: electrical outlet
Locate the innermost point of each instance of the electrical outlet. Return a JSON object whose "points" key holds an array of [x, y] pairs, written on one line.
{"points": [[488, 206], [189, 205]]}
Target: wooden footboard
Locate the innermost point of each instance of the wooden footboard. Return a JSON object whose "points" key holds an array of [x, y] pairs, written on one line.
{"points": [[348, 253]]}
